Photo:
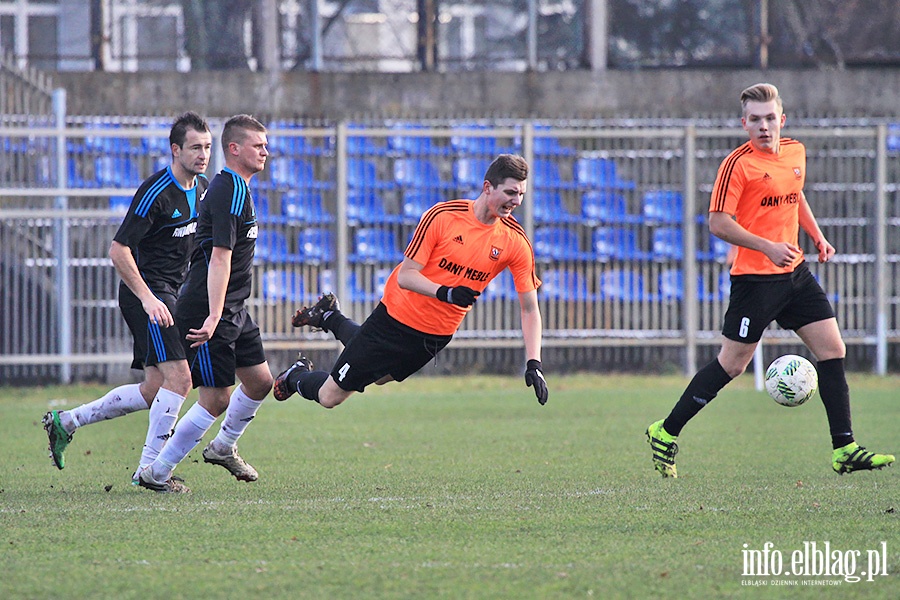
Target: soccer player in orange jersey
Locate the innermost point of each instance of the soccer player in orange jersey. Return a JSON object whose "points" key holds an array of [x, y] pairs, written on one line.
{"points": [[758, 205], [457, 248]]}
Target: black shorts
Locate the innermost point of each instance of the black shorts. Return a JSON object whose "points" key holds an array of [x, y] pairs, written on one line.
{"points": [[384, 346], [793, 300], [152, 344], [236, 343]]}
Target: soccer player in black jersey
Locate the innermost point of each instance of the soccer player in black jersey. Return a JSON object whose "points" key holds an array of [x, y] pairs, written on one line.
{"points": [[224, 340], [150, 252]]}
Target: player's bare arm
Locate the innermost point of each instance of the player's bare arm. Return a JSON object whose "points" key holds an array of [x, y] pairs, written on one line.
{"points": [[216, 285], [723, 226], [809, 224], [532, 324], [410, 277], [123, 261]]}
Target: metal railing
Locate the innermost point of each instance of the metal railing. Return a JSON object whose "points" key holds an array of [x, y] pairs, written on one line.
{"points": [[617, 217]]}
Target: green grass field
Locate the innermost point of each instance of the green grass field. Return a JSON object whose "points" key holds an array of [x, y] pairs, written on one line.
{"points": [[455, 488]]}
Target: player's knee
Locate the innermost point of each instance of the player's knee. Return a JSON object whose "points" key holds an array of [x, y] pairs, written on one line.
{"points": [[734, 366], [181, 385], [331, 395]]}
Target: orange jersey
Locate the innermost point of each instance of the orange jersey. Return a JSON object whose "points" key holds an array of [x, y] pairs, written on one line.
{"points": [[458, 249], [762, 192]]}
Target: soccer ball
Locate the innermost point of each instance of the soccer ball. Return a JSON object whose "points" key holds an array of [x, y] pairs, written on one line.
{"points": [[791, 380]]}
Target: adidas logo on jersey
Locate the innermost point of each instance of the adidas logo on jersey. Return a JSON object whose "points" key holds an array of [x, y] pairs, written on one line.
{"points": [[458, 239], [767, 177], [176, 214]]}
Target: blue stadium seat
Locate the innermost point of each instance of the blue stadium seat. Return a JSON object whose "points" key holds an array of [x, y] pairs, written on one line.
{"points": [[316, 244], [295, 173], [363, 174], [558, 243], [621, 284], [105, 144], [306, 207], [368, 285], [418, 173], [549, 208], [416, 202], [116, 171], [601, 206], [363, 145], [375, 244], [546, 175], [501, 287], [281, 144], [157, 144], [279, 285], [548, 145], [663, 206], [74, 176], [368, 207], [718, 250], [599, 173], [272, 246], [415, 145], [120, 204], [668, 243], [893, 137], [617, 243], [261, 207], [671, 285], [468, 173], [480, 145], [564, 284]]}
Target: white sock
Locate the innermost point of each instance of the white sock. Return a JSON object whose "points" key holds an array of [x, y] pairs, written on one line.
{"points": [[241, 410], [188, 432], [163, 414], [119, 402]]}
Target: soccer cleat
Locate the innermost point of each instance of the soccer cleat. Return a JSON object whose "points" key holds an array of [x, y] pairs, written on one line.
{"points": [[664, 449], [282, 390], [854, 457], [59, 438], [232, 461], [173, 485], [314, 315]]}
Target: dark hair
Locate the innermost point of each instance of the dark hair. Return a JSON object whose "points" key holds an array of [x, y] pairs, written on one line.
{"points": [[189, 120], [236, 129], [506, 166]]}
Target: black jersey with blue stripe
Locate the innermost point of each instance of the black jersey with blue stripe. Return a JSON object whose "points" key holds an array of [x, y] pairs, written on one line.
{"points": [[227, 219], [159, 229]]}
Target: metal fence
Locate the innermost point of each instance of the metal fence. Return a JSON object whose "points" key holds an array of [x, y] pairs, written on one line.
{"points": [[632, 278]]}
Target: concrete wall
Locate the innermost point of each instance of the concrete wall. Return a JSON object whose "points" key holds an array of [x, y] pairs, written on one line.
{"points": [[674, 93]]}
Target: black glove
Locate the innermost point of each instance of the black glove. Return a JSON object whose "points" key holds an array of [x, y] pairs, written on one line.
{"points": [[460, 296], [534, 377]]}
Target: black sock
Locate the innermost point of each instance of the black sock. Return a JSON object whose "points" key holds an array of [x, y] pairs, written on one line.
{"points": [[308, 383], [835, 394], [342, 327], [699, 392]]}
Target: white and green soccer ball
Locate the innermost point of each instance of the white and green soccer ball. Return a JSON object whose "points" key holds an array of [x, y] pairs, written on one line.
{"points": [[791, 380]]}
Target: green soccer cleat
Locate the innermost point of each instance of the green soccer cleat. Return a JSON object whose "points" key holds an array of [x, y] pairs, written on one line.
{"points": [[58, 436], [664, 450], [854, 457]]}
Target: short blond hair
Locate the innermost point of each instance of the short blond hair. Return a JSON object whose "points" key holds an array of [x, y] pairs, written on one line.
{"points": [[760, 92]]}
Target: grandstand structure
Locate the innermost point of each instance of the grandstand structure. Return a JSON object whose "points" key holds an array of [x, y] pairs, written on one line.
{"points": [[617, 214]]}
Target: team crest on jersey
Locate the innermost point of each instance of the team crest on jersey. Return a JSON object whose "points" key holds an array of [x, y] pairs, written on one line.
{"points": [[797, 172], [495, 252]]}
